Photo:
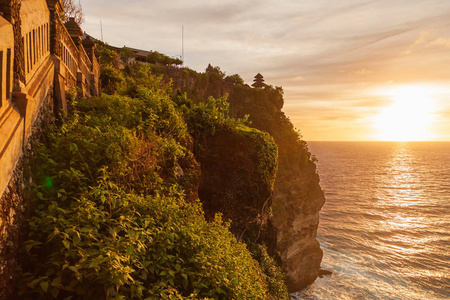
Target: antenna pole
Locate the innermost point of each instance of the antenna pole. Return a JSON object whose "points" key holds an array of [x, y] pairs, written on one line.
{"points": [[101, 29], [182, 43]]}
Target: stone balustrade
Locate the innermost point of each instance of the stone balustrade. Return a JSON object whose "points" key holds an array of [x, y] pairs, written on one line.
{"points": [[41, 59]]}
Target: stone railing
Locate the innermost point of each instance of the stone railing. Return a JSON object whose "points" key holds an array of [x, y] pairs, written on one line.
{"points": [[69, 55], [40, 58], [6, 62], [85, 66], [9, 118], [39, 62], [35, 18]]}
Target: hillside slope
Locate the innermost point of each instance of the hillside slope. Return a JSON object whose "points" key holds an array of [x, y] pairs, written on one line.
{"points": [[297, 197], [114, 209]]}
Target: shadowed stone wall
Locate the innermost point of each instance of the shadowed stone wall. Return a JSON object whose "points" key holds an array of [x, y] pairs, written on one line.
{"points": [[40, 61]]}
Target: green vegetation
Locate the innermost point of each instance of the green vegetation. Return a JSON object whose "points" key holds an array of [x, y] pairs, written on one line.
{"points": [[207, 117], [155, 57], [267, 152], [126, 54], [273, 274], [115, 213]]}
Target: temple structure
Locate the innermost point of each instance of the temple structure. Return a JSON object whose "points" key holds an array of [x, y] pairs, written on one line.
{"points": [[258, 82]]}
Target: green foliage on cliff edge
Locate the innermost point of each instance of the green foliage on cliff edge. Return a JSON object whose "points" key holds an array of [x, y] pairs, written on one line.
{"points": [[212, 115], [115, 218], [267, 152]]}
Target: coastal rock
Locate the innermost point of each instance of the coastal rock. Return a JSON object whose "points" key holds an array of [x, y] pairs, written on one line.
{"points": [[296, 205], [323, 272], [238, 170], [297, 197]]}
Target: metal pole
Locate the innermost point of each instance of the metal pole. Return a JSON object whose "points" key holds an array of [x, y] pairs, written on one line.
{"points": [[182, 44], [101, 29]]}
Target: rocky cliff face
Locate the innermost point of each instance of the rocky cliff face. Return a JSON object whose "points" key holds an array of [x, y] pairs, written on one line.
{"points": [[238, 170], [297, 195], [296, 204]]}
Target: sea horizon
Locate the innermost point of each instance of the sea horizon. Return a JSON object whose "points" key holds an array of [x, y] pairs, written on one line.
{"points": [[385, 225]]}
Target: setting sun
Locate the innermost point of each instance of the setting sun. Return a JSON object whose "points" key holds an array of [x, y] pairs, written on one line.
{"points": [[409, 117]]}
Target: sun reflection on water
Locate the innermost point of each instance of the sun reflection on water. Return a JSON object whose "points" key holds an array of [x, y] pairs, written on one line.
{"points": [[399, 194], [385, 226]]}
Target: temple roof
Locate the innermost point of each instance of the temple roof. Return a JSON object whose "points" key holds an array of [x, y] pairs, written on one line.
{"points": [[73, 28], [88, 42], [258, 81]]}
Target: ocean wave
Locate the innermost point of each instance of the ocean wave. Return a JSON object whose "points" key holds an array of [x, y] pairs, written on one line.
{"points": [[385, 228]]}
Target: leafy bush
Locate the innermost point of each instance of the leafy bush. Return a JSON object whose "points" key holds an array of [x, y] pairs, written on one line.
{"points": [[267, 152], [155, 57], [109, 216], [208, 116], [142, 76], [112, 79], [126, 55], [108, 56], [273, 274], [107, 243], [115, 209], [235, 79]]}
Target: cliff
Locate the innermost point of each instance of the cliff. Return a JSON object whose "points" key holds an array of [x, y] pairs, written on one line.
{"points": [[238, 171], [297, 196], [296, 205], [115, 210], [114, 204], [107, 205]]}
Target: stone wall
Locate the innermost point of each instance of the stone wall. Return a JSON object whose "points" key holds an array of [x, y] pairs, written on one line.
{"points": [[34, 16], [39, 63], [10, 126], [11, 12], [13, 208]]}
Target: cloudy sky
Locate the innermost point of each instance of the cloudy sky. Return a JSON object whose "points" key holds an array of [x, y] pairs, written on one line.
{"points": [[351, 70]]}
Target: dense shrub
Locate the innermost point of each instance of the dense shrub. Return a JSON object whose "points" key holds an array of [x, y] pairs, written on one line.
{"points": [[108, 56], [106, 243], [110, 218], [267, 152], [155, 57], [273, 274], [206, 117], [112, 79]]}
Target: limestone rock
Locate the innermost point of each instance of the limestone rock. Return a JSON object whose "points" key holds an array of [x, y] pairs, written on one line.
{"points": [[296, 205]]}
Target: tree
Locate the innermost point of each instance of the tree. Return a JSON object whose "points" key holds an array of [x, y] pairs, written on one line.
{"points": [[126, 55], [155, 57], [214, 70], [72, 10], [234, 80]]}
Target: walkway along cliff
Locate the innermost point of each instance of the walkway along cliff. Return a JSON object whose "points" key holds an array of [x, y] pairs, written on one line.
{"points": [[41, 59]]}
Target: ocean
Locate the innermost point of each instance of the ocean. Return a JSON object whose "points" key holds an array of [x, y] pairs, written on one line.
{"points": [[385, 226]]}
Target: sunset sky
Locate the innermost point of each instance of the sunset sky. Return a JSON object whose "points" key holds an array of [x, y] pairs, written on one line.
{"points": [[351, 70]]}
